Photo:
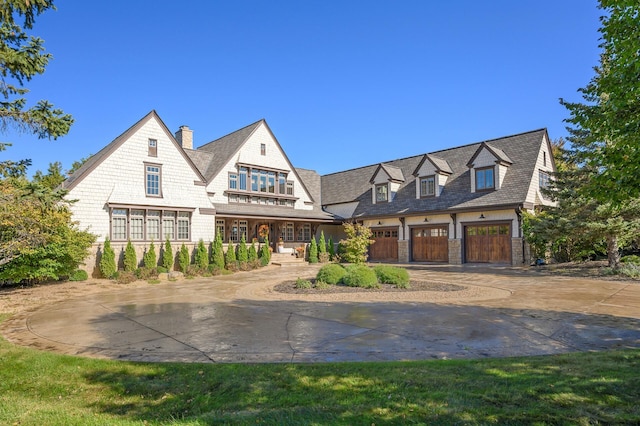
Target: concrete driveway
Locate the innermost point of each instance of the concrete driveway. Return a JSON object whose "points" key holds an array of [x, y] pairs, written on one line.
{"points": [[239, 318]]}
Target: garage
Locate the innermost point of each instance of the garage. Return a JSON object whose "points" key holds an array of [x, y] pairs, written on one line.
{"points": [[430, 244], [385, 247], [488, 243]]}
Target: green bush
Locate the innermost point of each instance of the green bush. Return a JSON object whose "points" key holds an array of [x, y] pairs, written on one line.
{"points": [[252, 253], [150, 259], [217, 252], [230, 257], [631, 270], [392, 275], [125, 277], [313, 251], [184, 258], [331, 249], [108, 266], [130, 258], [162, 270], [78, 275], [303, 284], [360, 276], [265, 254], [145, 273], [322, 245], [167, 256], [321, 285], [202, 256], [631, 259], [331, 273], [242, 254]]}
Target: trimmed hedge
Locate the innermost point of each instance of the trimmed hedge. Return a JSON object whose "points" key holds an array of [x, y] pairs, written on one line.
{"points": [[360, 276], [78, 275], [331, 274], [392, 275]]}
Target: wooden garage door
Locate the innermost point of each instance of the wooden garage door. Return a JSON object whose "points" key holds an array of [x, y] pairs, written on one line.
{"points": [[488, 243], [430, 244], [386, 245]]}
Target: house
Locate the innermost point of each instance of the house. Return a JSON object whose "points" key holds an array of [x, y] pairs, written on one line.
{"points": [[149, 185], [458, 205]]}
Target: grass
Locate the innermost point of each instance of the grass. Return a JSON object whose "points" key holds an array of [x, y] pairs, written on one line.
{"points": [[584, 388]]}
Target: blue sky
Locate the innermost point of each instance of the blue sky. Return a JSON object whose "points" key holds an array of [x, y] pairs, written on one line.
{"points": [[342, 84]]}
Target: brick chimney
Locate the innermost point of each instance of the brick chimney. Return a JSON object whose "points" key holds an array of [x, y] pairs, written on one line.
{"points": [[184, 136]]}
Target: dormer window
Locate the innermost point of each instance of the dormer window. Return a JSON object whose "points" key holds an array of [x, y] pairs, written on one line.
{"points": [[485, 179], [428, 186], [382, 193]]}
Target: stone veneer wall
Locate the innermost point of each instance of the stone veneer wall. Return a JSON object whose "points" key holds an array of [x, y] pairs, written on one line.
{"points": [[517, 255], [403, 251], [455, 251]]}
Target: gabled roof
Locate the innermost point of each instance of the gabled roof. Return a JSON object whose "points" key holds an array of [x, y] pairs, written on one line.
{"points": [[394, 173], [440, 164], [96, 159], [215, 154], [499, 154], [353, 185]]}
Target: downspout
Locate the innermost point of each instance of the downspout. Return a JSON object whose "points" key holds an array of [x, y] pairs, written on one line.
{"points": [[518, 211]]}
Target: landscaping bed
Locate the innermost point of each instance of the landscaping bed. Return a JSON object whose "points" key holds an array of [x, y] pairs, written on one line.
{"points": [[290, 287]]}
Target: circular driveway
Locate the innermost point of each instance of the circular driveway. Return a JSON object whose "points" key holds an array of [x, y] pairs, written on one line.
{"points": [[239, 318]]}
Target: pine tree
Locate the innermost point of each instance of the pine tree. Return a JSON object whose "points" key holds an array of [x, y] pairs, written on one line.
{"points": [[150, 259], [252, 254], [313, 251], [230, 258], [130, 258], [217, 253], [243, 256], [332, 249], [108, 266], [265, 254], [202, 256], [167, 256], [322, 245], [184, 258]]}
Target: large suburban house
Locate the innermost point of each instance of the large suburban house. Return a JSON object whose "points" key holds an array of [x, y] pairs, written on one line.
{"points": [[456, 206]]}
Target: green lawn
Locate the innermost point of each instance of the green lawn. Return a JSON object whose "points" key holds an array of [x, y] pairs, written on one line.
{"points": [[40, 388]]}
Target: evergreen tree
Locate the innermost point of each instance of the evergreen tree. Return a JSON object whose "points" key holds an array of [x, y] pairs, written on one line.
{"points": [[265, 254], [322, 245], [184, 258], [167, 256], [252, 254], [202, 256], [108, 266], [356, 246], [313, 251], [243, 255], [130, 258], [332, 249], [217, 253], [150, 259], [230, 258]]}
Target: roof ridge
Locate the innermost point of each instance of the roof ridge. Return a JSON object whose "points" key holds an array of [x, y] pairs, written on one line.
{"points": [[231, 133]]}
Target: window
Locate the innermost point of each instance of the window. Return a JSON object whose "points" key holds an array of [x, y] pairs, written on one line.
{"points": [[428, 186], [484, 179], [220, 228], [233, 236], [168, 225], [233, 181], [287, 232], [282, 183], [119, 224], [289, 187], [272, 182], [153, 148], [183, 226], [243, 229], [263, 149], [544, 158], [152, 179], [243, 178], [304, 232], [136, 224], [254, 181], [543, 179], [263, 181], [153, 225], [382, 194]]}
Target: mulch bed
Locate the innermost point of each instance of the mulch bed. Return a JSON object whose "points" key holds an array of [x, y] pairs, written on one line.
{"points": [[290, 287]]}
